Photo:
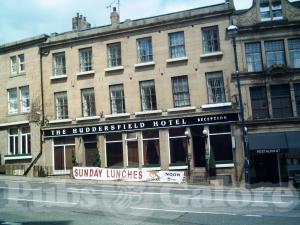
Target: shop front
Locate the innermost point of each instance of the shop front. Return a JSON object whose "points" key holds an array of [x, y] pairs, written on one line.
{"points": [[274, 157], [164, 144]]}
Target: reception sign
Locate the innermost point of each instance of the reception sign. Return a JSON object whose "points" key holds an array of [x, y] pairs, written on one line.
{"points": [[96, 173]]}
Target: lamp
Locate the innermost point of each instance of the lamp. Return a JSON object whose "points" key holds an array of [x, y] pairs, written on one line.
{"points": [[232, 31]]}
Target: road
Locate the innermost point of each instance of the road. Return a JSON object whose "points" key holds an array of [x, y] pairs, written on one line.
{"points": [[45, 202]]}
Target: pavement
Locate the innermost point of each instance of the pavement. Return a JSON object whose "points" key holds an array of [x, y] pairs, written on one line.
{"points": [[65, 201]]}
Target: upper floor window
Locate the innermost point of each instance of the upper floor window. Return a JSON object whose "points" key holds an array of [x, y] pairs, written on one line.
{"points": [[85, 59], [114, 54], [270, 10], [181, 94], [275, 54], [210, 37], [259, 102], [215, 87], [12, 101], [144, 50], [281, 101], [297, 97], [253, 56], [294, 52], [176, 45], [61, 105], [148, 96], [88, 102], [117, 100], [17, 64], [59, 64], [24, 99]]}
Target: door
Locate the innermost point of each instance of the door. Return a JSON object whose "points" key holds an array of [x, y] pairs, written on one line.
{"points": [[198, 146]]}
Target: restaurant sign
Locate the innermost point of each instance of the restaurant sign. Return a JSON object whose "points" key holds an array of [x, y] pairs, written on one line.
{"points": [[96, 173], [141, 125]]}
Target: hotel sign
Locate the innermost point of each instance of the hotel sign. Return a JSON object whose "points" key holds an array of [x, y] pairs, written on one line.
{"points": [[141, 125]]}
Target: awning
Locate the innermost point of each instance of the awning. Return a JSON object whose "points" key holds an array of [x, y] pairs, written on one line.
{"points": [[293, 139], [268, 143]]}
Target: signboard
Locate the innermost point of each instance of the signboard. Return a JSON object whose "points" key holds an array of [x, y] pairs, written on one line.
{"points": [[141, 125], [96, 173], [269, 151]]}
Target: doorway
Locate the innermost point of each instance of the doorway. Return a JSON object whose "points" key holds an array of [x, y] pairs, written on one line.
{"points": [[198, 146]]}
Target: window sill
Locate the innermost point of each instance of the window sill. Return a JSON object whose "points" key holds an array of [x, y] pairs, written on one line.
{"points": [[116, 68], [179, 109], [152, 63], [61, 172], [88, 118], [16, 157], [14, 123], [177, 59], [149, 112], [60, 121], [85, 73], [149, 168], [117, 115], [178, 167], [58, 77], [17, 74], [227, 165], [212, 54], [216, 105]]}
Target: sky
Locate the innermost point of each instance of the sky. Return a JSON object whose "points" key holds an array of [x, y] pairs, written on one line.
{"points": [[21, 19]]}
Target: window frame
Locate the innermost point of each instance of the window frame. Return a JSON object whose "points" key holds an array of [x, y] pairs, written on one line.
{"points": [[25, 109], [152, 96], [21, 62], [90, 93], [278, 97], [206, 31], [212, 90], [254, 55], [118, 58], [275, 52], [63, 95], [294, 50], [112, 99], [61, 66], [158, 145], [181, 92], [176, 46], [13, 65], [11, 102], [149, 50], [15, 137], [86, 59], [254, 101], [271, 9]]}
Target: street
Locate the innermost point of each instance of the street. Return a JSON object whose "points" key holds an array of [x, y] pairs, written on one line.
{"points": [[45, 202]]}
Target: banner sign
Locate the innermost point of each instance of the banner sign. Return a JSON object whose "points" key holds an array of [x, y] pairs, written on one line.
{"points": [[269, 151], [141, 125], [96, 173]]}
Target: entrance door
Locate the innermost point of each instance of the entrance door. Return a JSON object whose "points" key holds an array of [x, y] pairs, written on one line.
{"points": [[264, 169], [198, 146]]}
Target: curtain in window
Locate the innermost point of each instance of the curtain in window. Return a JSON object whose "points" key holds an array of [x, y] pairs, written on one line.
{"points": [[61, 102], [85, 60], [210, 39], [253, 57], [181, 91], [88, 102], [12, 101], [114, 55], [294, 50], [145, 50], [176, 44], [117, 99], [59, 64], [215, 85], [148, 95], [24, 99], [13, 64]]}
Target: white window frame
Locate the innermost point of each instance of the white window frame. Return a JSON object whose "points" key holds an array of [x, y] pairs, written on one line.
{"points": [[86, 59], [177, 47], [144, 50], [21, 61], [88, 102], [12, 102], [24, 99], [65, 171], [179, 91], [113, 99], [208, 39], [13, 65], [27, 136], [107, 142], [211, 91], [128, 139], [61, 106], [15, 142], [148, 139], [59, 64], [114, 54], [147, 91]]}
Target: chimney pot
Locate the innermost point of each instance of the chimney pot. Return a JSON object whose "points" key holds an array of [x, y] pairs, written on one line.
{"points": [[114, 9]]}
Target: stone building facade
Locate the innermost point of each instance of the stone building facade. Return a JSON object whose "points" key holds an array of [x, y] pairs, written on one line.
{"points": [[268, 44]]}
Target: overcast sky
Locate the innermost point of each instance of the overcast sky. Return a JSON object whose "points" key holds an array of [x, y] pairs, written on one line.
{"points": [[25, 18]]}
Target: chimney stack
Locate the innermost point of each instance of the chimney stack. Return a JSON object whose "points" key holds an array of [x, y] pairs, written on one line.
{"points": [[79, 23], [115, 18]]}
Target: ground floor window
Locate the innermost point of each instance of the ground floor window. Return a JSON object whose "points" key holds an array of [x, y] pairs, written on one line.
{"points": [[114, 150], [132, 149], [64, 148], [178, 145], [221, 143], [151, 150], [90, 145], [19, 141]]}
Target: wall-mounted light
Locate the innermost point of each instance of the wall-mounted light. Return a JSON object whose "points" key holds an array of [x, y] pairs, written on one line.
{"points": [[187, 134], [205, 133]]}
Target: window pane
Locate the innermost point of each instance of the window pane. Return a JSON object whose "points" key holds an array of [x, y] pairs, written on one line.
{"points": [[265, 11], [210, 36], [277, 10], [275, 52], [13, 64], [253, 56], [151, 151], [144, 50], [148, 96], [150, 134], [12, 101], [259, 102], [64, 140], [114, 154], [85, 59], [117, 99], [21, 63], [297, 97], [88, 102], [90, 153], [114, 137], [294, 51], [215, 86], [114, 54], [59, 64], [181, 94], [221, 128], [24, 99], [61, 105], [221, 147], [178, 150], [281, 101], [176, 45]]}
